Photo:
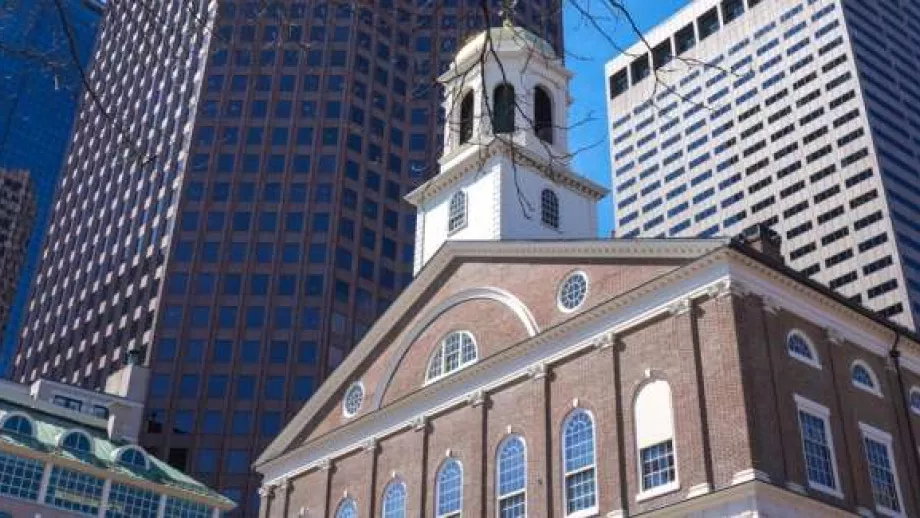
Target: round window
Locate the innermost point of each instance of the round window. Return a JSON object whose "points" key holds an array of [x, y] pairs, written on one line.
{"points": [[573, 291], [353, 399]]}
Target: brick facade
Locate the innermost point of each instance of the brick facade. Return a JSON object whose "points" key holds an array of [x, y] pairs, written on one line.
{"points": [[722, 352]]}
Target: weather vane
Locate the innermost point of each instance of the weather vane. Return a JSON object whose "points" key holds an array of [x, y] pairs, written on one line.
{"points": [[508, 11]]}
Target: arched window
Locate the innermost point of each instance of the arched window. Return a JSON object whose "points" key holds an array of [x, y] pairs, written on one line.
{"points": [[347, 509], [457, 350], [466, 118], [580, 476], [800, 347], [131, 457], [503, 109], [353, 400], [457, 217], [512, 478], [655, 437], [572, 292], [449, 490], [549, 208], [542, 115], [76, 442], [394, 500], [915, 400], [864, 378], [19, 424]]}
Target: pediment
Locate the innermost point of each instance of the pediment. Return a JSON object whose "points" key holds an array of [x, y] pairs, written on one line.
{"points": [[506, 288]]}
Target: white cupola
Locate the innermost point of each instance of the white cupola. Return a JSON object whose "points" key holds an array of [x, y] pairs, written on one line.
{"points": [[505, 171]]}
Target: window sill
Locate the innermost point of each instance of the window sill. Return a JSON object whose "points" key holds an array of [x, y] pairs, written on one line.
{"points": [[585, 513], [874, 392], [456, 230], [804, 359], [547, 226], [826, 490], [884, 511], [658, 491]]}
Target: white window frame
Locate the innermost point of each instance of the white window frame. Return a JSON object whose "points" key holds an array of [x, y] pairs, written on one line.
{"points": [[910, 394], [881, 436], [591, 511], [78, 431], [553, 211], [442, 345], [437, 489], [345, 501], [815, 361], [664, 489], [11, 415], [392, 484], [465, 211], [674, 485], [821, 412], [116, 455], [499, 497], [562, 284], [875, 389], [356, 385]]}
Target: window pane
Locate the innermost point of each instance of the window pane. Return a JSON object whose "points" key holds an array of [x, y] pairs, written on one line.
{"points": [[20, 477], [818, 461], [578, 449], [580, 491], [579, 442], [74, 491], [881, 473], [132, 502], [450, 489], [657, 465], [394, 501], [512, 479]]}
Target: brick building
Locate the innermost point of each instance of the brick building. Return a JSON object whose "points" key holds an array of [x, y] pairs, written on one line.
{"points": [[634, 376], [17, 215]]}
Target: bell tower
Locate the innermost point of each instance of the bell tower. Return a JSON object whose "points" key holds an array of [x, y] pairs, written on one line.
{"points": [[505, 173]]}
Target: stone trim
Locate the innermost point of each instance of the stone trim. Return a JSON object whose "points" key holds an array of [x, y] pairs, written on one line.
{"points": [[458, 252], [724, 268]]}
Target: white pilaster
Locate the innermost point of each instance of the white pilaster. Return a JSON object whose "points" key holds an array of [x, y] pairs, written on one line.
{"points": [[46, 479], [106, 490], [161, 512]]}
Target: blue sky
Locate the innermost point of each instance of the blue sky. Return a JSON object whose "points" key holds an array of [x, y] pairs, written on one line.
{"points": [[587, 51]]}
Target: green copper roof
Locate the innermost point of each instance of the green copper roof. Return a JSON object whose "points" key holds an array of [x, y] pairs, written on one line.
{"points": [[49, 429]]}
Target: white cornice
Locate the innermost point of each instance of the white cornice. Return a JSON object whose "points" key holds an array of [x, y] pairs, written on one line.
{"points": [[470, 158], [702, 278], [826, 312], [505, 43], [457, 252], [570, 337]]}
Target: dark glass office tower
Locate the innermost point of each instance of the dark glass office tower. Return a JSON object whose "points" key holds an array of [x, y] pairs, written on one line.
{"points": [[17, 216], [233, 206], [40, 87]]}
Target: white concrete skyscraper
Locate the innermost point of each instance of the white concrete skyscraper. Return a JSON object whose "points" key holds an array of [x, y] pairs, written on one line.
{"points": [[800, 114]]}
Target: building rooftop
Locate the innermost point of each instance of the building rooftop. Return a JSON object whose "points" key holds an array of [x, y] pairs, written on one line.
{"points": [[49, 429], [109, 421]]}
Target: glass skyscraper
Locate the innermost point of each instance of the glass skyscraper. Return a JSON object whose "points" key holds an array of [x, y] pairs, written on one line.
{"points": [[40, 86], [232, 206]]}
